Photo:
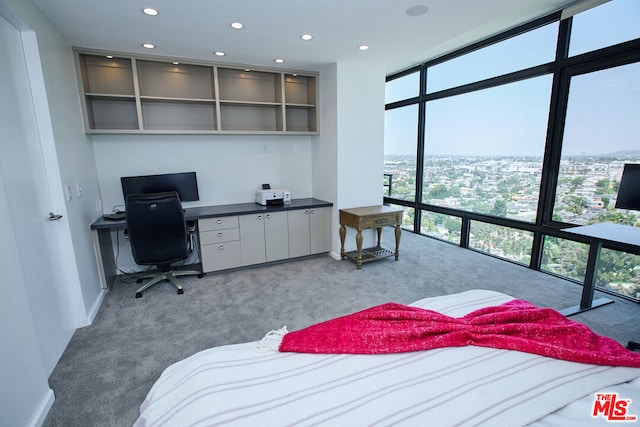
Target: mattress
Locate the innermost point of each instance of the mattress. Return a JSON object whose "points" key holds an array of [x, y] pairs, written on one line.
{"points": [[465, 386]]}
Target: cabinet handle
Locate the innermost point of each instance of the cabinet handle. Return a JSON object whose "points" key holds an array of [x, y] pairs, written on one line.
{"points": [[220, 234], [219, 221], [312, 212], [381, 221], [307, 211], [268, 216], [221, 248], [259, 217]]}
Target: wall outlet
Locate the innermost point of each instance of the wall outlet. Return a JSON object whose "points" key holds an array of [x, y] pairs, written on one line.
{"points": [[78, 190], [98, 206], [67, 192]]}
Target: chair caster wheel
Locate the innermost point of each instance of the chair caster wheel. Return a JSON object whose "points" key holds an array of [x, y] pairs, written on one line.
{"points": [[138, 294], [180, 291], [200, 276]]}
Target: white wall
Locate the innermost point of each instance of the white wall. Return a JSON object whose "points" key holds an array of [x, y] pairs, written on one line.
{"points": [[359, 139], [229, 168], [360, 128]]}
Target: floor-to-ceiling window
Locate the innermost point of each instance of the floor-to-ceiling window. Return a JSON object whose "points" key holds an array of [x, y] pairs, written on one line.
{"points": [[500, 146]]}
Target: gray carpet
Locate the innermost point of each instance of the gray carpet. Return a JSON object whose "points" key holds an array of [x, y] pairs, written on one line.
{"points": [[108, 367]]}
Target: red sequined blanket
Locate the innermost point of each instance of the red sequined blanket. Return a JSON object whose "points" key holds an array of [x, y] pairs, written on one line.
{"points": [[515, 325]]}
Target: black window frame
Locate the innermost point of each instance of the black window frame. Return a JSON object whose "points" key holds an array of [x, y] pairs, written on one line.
{"points": [[562, 68]]}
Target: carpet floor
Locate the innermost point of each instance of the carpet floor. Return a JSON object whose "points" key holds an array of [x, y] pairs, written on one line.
{"points": [[109, 366]]}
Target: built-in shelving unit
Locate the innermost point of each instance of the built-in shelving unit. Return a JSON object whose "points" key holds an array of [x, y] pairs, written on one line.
{"points": [[142, 95]]}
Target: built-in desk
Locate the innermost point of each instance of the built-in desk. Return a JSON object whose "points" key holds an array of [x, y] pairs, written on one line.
{"points": [[598, 234], [102, 228]]}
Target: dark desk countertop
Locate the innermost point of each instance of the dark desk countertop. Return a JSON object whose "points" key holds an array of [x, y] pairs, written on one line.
{"points": [[201, 212]]}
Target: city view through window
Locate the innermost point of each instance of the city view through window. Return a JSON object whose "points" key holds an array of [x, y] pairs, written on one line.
{"points": [[484, 150]]}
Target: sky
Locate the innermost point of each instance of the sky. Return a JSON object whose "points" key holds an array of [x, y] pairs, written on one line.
{"points": [[604, 107]]}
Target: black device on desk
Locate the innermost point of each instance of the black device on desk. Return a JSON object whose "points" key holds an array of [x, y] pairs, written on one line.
{"points": [[116, 216], [184, 183]]}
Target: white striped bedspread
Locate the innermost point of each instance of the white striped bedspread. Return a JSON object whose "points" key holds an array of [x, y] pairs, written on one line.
{"points": [[462, 386]]}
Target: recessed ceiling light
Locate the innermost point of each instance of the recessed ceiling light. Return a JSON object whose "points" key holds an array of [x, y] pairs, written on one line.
{"points": [[150, 11], [306, 37], [218, 53], [417, 10], [148, 45], [363, 47], [237, 25], [279, 60], [109, 56], [176, 63]]}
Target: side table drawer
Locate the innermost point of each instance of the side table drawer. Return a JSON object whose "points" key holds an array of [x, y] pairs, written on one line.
{"points": [[375, 221], [221, 256]]}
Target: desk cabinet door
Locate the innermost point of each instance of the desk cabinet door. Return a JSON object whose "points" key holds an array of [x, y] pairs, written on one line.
{"points": [[320, 230], [252, 239], [299, 243], [309, 231], [264, 237], [276, 236]]}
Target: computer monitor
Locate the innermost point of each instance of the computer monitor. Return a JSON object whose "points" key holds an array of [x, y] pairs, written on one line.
{"points": [[184, 183], [629, 191]]}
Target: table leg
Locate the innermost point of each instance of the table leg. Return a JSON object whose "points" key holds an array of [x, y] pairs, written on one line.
{"points": [[397, 241], [343, 233], [379, 231], [105, 258], [589, 286], [359, 249]]}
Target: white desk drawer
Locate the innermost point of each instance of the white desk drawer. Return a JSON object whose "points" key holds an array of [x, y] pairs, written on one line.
{"points": [[220, 223], [219, 236], [221, 256]]}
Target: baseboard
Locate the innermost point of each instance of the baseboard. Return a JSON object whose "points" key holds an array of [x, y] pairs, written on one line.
{"points": [[93, 312], [334, 255], [43, 410]]}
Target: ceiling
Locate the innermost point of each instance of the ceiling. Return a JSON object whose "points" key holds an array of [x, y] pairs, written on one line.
{"points": [[194, 29]]}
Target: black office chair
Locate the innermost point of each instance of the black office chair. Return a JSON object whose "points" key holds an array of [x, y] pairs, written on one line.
{"points": [[159, 236]]}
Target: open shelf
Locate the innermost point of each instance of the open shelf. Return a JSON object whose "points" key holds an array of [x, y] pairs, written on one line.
{"points": [[168, 80], [155, 96], [249, 86], [251, 117], [111, 113], [175, 115]]}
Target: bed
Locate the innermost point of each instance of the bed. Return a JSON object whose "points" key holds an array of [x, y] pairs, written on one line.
{"points": [[246, 385]]}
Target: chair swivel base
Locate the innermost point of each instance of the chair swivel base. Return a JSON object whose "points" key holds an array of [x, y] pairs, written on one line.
{"points": [[169, 276]]}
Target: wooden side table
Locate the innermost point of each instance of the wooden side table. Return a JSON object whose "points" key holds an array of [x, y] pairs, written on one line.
{"points": [[366, 218]]}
